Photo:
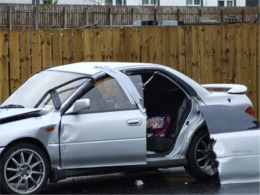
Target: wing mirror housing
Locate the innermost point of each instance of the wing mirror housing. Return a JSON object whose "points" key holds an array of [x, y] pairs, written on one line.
{"points": [[81, 105]]}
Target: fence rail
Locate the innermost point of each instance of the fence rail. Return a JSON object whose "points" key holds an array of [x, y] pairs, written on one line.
{"points": [[207, 53], [24, 16]]}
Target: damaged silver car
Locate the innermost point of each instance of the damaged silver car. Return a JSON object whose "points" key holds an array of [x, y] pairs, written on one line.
{"points": [[90, 118]]}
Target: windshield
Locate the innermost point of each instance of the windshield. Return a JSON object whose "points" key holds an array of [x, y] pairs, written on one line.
{"points": [[35, 91]]}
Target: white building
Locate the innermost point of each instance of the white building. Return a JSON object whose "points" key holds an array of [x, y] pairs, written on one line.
{"points": [[226, 3]]}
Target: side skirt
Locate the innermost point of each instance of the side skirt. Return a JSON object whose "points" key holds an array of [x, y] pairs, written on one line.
{"points": [[59, 174]]}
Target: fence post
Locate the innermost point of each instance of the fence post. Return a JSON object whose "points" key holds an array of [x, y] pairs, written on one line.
{"points": [[86, 16], [132, 15], [109, 16], [200, 13], [221, 16], [64, 18], [36, 17], [9, 17], [243, 15], [155, 13], [178, 14]]}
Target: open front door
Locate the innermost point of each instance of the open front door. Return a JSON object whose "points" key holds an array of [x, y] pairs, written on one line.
{"points": [[110, 132]]}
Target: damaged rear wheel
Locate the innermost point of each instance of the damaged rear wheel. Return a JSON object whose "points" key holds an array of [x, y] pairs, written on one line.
{"points": [[201, 158]]}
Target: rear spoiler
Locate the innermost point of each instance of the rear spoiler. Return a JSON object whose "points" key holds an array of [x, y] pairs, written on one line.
{"points": [[232, 88]]}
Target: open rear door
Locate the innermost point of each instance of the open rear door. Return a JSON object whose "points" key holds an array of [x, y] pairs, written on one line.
{"points": [[237, 138]]}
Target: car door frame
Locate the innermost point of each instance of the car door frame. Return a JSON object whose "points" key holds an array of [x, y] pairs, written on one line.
{"points": [[140, 147]]}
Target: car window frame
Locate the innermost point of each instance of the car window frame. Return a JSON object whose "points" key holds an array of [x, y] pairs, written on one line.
{"points": [[54, 95], [89, 87]]}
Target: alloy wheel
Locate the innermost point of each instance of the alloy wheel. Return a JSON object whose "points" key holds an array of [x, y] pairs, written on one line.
{"points": [[24, 171], [205, 156]]}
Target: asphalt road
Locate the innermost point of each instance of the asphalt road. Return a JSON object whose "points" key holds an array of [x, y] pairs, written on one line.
{"points": [[170, 181]]}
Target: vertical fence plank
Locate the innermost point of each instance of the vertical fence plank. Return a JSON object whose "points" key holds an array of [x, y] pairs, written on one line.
{"points": [[136, 41], [167, 43], [25, 55], [173, 47], [197, 54], [232, 54], [88, 45], [245, 54], [252, 83], [239, 56], [145, 44], [117, 50], [257, 105], [181, 49], [57, 47], [46, 49], [127, 44], [15, 80], [97, 45], [217, 53], [107, 45], [36, 51], [224, 70], [189, 38], [209, 54], [67, 47], [159, 45], [4, 69], [152, 44], [77, 45]]}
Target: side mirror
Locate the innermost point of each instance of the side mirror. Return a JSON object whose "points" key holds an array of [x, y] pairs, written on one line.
{"points": [[81, 105]]}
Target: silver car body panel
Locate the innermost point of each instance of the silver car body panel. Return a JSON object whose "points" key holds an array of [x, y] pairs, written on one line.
{"points": [[14, 112], [191, 124], [116, 141], [238, 156], [34, 128], [237, 143], [232, 88]]}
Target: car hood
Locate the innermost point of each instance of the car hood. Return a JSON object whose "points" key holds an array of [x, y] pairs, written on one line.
{"points": [[14, 114]]}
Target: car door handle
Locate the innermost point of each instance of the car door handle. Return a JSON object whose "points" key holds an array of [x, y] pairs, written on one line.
{"points": [[134, 122]]}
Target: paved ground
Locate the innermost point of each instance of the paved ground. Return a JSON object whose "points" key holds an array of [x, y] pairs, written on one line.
{"points": [[171, 181]]}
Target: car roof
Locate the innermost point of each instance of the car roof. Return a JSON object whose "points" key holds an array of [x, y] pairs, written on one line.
{"points": [[90, 68]]}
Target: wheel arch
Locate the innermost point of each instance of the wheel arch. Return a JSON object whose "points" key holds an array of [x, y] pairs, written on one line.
{"points": [[201, 127], [27, 140]]}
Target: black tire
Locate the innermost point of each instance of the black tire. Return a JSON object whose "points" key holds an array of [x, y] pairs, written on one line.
{"points": [[201, 158], [24, 169]]}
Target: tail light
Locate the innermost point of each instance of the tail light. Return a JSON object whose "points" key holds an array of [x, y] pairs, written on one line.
{"points": [[250, 110]]}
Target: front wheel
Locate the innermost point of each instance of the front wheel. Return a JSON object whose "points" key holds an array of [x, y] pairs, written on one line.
{"points": [[201, 158], [24, 169]]}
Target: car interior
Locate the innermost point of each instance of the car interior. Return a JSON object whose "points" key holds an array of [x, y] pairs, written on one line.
{"points": [[163, 100]]}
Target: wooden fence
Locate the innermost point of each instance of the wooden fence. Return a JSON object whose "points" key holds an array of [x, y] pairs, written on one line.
{"points": [[226, 53], [25, 16]]}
